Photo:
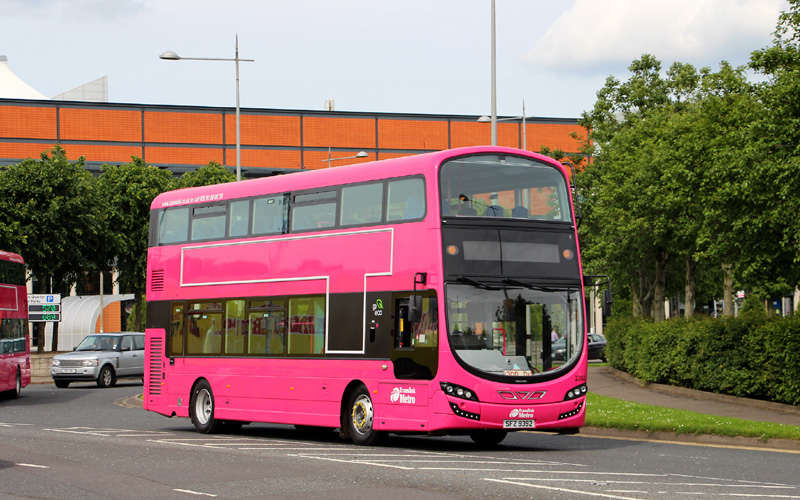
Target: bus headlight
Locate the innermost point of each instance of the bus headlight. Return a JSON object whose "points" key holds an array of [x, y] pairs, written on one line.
{"points": [[576, 392], [458, 391]]}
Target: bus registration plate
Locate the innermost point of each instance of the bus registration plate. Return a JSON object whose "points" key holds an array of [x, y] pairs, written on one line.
{"points": [[519, 424]]}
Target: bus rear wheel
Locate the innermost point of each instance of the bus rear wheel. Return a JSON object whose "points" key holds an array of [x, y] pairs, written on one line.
{"points": [[18, 386], [201, 409], [361, 417], [488, 437]]}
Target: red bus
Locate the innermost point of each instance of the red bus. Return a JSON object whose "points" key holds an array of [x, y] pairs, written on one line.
{"points": [[420, 294], [15, 347]]}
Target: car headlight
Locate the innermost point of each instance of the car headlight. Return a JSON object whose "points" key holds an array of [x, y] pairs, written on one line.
{"points": [[56, 362], [89, 362]]}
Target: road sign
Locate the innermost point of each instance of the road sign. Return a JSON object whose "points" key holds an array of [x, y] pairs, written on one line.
{"points": [[44, 307]]}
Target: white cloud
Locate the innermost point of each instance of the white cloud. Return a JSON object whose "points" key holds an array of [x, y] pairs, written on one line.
{"points": [[601, 36]]}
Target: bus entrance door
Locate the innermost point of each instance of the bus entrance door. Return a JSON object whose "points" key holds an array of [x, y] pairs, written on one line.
{"points": [[414, 353]]}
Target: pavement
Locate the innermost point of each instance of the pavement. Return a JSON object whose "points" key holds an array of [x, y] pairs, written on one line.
{"points": [[606, 381]]}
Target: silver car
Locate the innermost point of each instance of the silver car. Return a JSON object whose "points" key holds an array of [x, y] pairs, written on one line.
{"points": [[101, 357]]}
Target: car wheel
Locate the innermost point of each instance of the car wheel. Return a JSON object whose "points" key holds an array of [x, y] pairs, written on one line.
{"points": [[201, 409], [360, 418], [107, 377], [61, 384], [488, 437]]}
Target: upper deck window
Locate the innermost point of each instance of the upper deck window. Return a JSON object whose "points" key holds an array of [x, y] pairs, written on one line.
{"points": [[503, 186], [173, 226], [270, 214], [12, 273], [313, 211], [362, 204], [209, 222], [406, 199]]}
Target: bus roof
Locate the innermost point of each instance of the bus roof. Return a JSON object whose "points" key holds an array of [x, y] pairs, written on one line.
{"points": [[11, 257], [309, 179]]}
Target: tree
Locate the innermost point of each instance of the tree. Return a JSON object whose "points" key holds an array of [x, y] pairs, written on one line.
{"points": [[775, 136], [127, 192], [52, 202], [628, 212], [213, 173]]}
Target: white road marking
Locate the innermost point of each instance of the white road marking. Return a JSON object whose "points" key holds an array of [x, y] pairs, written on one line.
{"points": [[200, 493], [563, 490], [34, 466]]}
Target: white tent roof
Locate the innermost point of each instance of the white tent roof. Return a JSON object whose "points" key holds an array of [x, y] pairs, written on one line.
{"points": [[11, 87], [79, 313]]}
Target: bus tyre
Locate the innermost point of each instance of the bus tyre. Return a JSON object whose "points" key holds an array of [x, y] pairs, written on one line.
{"points": [[201, 409], [488, 437], [361, 417], [62, 384], [107, 377], [18, 386]]}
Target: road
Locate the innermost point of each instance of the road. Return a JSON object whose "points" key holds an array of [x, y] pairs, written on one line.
{"points": [[89, 443]]}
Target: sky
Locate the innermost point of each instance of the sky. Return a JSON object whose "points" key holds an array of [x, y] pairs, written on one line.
{"points": [[392, 56]]}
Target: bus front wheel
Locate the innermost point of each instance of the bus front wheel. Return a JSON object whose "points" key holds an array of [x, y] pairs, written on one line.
{"points": [[488, 437], [201, 409], [361, 418]]}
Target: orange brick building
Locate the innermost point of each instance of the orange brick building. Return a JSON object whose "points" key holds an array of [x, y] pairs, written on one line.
{"points": [[183, 138]]}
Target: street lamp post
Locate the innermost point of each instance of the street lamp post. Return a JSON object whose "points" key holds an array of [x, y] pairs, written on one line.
{"points": [[360, 154], [484, 119], [494, 81], [172, 56]]}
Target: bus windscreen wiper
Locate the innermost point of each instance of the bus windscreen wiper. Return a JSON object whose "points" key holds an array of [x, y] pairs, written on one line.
{"points": [[531, 286], [485, 286]]}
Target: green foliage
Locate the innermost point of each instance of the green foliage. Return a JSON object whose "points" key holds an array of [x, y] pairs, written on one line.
{"points": [[696, 170], [127, 192], [51, 206], [213, 173], [613, 413], [752, 356]]}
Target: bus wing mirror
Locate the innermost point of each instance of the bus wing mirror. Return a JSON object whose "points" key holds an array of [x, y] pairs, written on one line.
{"points": [[415, 301], [415, 309], [607, 301]]}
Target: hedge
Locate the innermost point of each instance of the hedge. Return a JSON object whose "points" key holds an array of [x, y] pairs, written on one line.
{"points": [[750, 356]]}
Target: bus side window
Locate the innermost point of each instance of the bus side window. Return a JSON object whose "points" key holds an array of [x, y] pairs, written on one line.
{"points": [[176, 329], [362, 204], [269, 215], [173, 226], [235, 327], [240, 218], [406, 199], [209, 222]]}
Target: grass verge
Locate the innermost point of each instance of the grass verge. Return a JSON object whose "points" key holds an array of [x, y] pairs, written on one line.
{"points": [[610, 413]]}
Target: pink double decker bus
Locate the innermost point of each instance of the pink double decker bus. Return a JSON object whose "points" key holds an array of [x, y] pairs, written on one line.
{"points": [[15, 347], [435, 294]]}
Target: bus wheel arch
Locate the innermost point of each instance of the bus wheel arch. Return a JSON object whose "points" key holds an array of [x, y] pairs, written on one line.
{"points": [[201, 408], [358, 415]]}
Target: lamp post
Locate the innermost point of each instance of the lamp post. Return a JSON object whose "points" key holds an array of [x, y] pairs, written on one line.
{"points": [[494, 81], [172, 56], [484, 119], [360, 154]]}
